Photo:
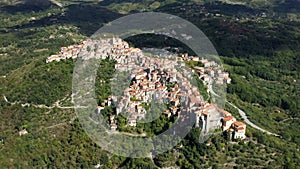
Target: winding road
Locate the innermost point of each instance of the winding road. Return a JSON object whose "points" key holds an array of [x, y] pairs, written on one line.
{"points": [[56, 104], [243, 114]]}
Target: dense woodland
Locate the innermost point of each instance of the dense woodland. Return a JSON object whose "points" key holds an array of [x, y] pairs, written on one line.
{"points": [[261, 54]]}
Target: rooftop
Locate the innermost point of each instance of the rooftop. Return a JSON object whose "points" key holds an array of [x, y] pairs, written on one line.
{"points": [[228, 118]]}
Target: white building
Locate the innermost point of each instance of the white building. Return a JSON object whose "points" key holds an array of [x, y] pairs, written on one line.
{"points": [[227, 122], [239, 130], [132, 122], [23, 132]]}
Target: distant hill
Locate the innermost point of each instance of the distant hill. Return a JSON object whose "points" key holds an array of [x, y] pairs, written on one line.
{"points": [[28, 5], [13, 6], [125, 6], [26, 2]]}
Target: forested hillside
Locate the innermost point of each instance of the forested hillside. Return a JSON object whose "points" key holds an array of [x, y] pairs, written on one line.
{"points": [[258, 42]]}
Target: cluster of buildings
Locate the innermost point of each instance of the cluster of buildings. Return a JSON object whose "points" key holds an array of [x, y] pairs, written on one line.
{"points": [[70, 52], [211, 72], [235, 129], [212, 117], [164, 79], [148, 85], [115, 48]]}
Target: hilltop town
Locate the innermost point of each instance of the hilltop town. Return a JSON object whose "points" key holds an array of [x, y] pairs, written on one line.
{"points": [[165, 79]]}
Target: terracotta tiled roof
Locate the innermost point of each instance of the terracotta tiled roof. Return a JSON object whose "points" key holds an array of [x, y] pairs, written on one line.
{"points": [[228, 118], [240, 128], [239, 124], [226, 113], [167, 111]]}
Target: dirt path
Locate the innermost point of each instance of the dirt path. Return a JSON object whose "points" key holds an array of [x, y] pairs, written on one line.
{"points": [[42, 106]]}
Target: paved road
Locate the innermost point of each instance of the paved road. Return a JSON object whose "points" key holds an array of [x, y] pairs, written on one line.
{"points": [[243, 115], [211, 90]]}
